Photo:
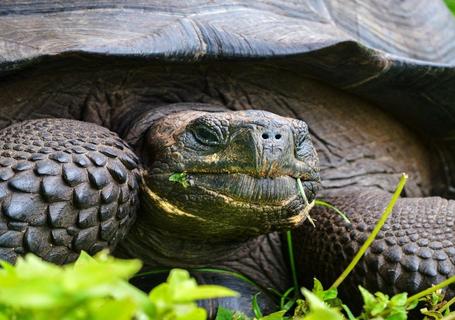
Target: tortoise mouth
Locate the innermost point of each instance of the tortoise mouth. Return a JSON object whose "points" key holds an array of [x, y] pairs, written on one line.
{"points": [[242, 187], [238, 203]]}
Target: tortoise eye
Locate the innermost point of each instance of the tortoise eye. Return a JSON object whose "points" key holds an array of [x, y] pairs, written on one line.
{"points": [[206, 135], [208, 131]]}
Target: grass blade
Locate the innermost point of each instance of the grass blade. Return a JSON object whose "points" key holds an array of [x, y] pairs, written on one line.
{"points": [[305, 199], [229, 273], [285, 303], [256, 309], [447, 305], [432, 289], [330, 206], [292, 262]]}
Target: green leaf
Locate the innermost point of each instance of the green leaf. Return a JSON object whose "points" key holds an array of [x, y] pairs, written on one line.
{"points": [[319, 310], [399, 299], [193, 314], [380, 306], [205, 292], [317, 286], [124, 309], [224, 314], [279, 315], [329, 296], [186, 289], [175, 298], [180, 177], [411, 305], [85, 258], [368, 299], [89, 288], [256, 309], [348, 312]]}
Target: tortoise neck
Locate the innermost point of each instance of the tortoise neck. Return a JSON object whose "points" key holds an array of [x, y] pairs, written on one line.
{"points": [[260, 259], [158, 247]]}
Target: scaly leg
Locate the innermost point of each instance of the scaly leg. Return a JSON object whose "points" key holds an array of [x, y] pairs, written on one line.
{"points": [[65, 186]]}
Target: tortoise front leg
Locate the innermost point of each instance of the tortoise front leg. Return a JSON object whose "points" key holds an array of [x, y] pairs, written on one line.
{"points": [[414, 250], [65, 186]]}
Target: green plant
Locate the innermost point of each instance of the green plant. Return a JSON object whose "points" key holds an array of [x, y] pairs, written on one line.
{"points": [[96, 288], [380, 306], [92, 288], [175, 299], [318, 309]]}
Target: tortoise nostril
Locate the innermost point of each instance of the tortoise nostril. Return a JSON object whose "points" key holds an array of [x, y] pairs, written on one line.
{"points": [[268, 135]]}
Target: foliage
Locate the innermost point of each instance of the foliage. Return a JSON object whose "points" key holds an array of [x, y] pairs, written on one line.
{"points": [[96, 288], [380, 306], [175, 299], [451, 5], [325, 304], [90, 288], [435, 307]]}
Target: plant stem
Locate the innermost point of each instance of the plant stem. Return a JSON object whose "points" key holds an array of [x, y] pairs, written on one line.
{"points": [[432, 289], [374, 233], [330, 206], [302, 193], [447, 305], [153, 271], [292, 262], [228, 272], [450, 316]]}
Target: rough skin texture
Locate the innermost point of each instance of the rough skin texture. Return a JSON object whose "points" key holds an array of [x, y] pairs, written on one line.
{"points": [[65, 186], [414, 250]]}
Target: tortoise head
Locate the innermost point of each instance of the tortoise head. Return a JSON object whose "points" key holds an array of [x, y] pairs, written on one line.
{"points": [[227, 175]]}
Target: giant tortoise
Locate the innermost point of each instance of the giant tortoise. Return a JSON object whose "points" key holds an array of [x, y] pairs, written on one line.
{"points": [[103, 102]]}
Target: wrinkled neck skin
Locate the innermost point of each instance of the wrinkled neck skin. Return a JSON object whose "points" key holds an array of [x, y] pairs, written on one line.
{"points": [[260, 258], [159, 247], [154, 240]]}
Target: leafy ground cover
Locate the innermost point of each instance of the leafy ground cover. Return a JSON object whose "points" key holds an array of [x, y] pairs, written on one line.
{"points": [[97, 288]]}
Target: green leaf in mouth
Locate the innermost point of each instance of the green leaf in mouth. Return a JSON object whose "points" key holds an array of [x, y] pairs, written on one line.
{"points": [[180, 177]]}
